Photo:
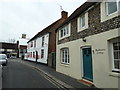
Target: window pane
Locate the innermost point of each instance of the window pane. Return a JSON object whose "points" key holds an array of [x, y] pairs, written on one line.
{"points": [[112, 7], [115, 46], [61, 33], [117, 64], [83, 21], [64, 31], [115, 55]]}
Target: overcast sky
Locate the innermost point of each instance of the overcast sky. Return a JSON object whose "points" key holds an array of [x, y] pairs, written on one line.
{"points": [[31, 16]]}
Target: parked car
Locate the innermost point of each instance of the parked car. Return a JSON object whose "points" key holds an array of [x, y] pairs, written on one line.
{"points": [[3, 59]]}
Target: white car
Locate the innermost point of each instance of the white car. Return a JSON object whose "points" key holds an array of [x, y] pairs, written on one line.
{"points": [[3, 59]]}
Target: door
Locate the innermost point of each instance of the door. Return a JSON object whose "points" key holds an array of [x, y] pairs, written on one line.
{"points": [[87, 64]]}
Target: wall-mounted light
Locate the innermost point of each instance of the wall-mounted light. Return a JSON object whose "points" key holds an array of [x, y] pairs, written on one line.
{"points": [[84, 40]]}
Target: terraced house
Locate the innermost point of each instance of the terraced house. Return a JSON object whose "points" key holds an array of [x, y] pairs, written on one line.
{"points": [[42, 47], [88, 44]]}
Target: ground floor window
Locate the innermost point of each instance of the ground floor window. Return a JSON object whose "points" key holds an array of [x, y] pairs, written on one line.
{"points": [[65, 56], [42, 53], [116, 56]]}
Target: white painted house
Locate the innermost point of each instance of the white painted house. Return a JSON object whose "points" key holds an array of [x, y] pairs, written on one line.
{"points": [[43, 44], [40, 46]]}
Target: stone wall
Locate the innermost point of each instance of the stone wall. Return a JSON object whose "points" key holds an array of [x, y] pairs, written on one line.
{"points": [[95, 26]]}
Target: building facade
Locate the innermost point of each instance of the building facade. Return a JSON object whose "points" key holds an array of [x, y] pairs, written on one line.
{"points": [[42, 47], [22, 45], [10, 49], [88, 46]]}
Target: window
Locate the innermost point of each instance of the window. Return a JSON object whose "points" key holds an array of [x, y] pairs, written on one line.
{"points": [[31, 44], [116, 56], [34, 43], [65, 56], [43, 41], [42, 53], [82, 21], [112, 7], [64, 31], [109, 10]]}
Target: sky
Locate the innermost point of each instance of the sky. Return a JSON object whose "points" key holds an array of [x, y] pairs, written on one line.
{"points": [[29, 17]]}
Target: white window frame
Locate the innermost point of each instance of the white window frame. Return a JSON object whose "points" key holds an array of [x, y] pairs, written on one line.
{"points": [[117, 3], [113, 65], [66, 31], [65, 60], [79, 22], [104, 12]]}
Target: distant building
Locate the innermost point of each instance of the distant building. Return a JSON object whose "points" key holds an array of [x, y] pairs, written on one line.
{"points": [[43, 44], [10, 49], [22, 45]]}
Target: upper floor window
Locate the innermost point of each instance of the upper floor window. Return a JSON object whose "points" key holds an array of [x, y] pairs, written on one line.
{"points": [[34, 43], [43, 39], [65, 56], [82, 22], [31, 44], [112, 7], [109, 10], [116, 56], [64, 32]]}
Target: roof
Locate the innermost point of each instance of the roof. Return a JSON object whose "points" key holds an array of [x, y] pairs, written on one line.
{"points": [[44, 31], [77, 12], [5, 45]]}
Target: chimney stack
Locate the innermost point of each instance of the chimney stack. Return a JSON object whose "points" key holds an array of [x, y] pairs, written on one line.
{"points": [[64, 14], [24, 36]]}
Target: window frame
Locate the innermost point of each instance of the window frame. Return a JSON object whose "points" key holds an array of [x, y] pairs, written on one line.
{"points": [[107, 10], [103, 14], [65, 31], [79, 22], [63, 59], [113, 59], [42, 53]]}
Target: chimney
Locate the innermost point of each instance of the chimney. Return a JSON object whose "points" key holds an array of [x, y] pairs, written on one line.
{"points": [[24, 36], [64, 14]]}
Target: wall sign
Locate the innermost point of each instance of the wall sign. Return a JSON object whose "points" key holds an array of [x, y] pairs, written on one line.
{"points": [[99, 51]]}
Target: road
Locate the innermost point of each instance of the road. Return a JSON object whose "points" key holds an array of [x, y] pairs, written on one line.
{"points": [[18, 75]]}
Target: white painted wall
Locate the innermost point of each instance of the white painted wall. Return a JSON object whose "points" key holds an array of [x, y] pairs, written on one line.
{"points": [[39, 47], [103, 77]]}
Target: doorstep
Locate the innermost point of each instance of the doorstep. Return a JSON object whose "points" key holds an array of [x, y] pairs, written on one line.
{"points": [[86, 82]]}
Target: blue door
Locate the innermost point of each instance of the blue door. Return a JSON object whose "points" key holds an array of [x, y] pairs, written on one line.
{"points": [[87, 64]]}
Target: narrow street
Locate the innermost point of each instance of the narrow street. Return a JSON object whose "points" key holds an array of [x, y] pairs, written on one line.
{"points": [[18, 75]]}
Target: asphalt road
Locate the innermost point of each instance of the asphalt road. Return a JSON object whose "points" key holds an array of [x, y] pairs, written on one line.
{"points": [[18, 75]]}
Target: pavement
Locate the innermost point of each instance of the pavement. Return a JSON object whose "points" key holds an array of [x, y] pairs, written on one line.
{"points": [[62, 79]]}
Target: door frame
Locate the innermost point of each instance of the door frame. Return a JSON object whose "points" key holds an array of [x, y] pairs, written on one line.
{"points": [[83, 47]]}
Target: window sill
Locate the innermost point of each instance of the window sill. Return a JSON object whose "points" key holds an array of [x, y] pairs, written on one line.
{"points": [[64, 37], [65, 65], [114, 74]]}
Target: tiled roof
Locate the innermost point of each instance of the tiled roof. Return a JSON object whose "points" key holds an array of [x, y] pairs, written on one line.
{"points": [[44, 31]]}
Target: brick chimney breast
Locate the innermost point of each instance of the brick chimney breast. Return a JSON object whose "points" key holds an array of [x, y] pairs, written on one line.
{"points": [[64, 14]]}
